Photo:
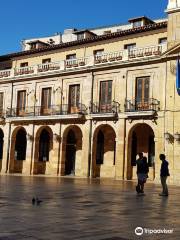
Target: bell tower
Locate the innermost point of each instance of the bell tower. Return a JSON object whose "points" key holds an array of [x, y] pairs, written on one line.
{"points": [[173, 11]]}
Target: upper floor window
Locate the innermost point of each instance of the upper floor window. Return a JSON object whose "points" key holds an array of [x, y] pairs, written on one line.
{"points": [[98, 52], [46, 100], [130, 46], [24, 64], [137, 24], [162, 40], [105, 96], [21, 102], [71, 56], [107, 32], [80, 36], [33, 45], [46, 60], [74, 98], [142, 93]]}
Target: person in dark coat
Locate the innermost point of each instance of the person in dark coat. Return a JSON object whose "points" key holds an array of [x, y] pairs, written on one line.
{"points": [[164, 173], [142, 173]]}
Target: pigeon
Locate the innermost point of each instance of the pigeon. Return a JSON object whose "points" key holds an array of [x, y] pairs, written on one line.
{"points": [[33, 200]]}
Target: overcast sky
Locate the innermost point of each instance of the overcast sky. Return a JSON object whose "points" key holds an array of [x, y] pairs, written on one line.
{"points": [[20, 19]]}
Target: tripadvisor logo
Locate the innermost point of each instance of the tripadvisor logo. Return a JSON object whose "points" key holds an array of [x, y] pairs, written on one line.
{"points": [[139, 231]]}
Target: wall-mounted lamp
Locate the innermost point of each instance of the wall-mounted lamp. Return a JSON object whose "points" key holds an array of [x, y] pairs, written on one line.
{"points": [[177, 136], [55, 90], [30, 92], [29, 137], [56, 137], [167, 136]]}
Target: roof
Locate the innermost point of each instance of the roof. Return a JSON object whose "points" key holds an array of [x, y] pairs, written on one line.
{"points": [[84, 31], [37, 41], [141, 18], [146, 28]]}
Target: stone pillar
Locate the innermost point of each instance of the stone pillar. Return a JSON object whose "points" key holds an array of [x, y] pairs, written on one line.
{"points": [[120, 151]]}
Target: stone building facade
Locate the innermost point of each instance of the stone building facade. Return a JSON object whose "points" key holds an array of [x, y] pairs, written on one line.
{"points": [[86, 102]]}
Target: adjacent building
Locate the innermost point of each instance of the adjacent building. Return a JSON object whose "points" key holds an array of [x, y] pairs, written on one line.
{"points": [[85, 102]]}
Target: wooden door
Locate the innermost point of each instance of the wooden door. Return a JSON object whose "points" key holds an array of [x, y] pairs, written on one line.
{"points": [[21, 103], [74, 98], [105, 96], [46, 101], [142, 93]]}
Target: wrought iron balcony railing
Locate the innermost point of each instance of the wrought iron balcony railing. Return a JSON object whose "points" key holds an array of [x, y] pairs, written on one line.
{"points": [[63, 65], [95, 108], [64, 109], [147, 104]]}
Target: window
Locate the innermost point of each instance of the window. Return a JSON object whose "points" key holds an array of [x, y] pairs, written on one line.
{"points": [[137, 24], [74, 98], [107, 32], [71, 56], [130, 46], [46, 100], [1, 102], [24, 64], [33, 46], [98, 52], [105, 96], [46, 60], [80, 36], [21, 102], [162, 40], [142, 93]]}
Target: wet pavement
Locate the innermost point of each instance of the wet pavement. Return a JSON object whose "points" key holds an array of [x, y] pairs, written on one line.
{"points": [[84, 209]]}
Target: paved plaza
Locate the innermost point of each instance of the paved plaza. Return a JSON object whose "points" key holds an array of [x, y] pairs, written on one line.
{"points": [[84, 209]]}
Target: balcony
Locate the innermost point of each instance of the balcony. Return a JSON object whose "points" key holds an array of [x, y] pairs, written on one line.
{"points": [[23, 71], [149, 51], [138, 108], [5, 73], [77, 62], [135, 54], [104, 111], [108, 57], [53, 112], [51, 66]]}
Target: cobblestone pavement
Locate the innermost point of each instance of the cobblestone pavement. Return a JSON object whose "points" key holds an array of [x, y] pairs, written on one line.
{"points": [[84, 209]]}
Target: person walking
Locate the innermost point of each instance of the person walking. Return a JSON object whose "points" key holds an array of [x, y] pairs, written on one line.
{"points": [[142, 173], [164, 173]]}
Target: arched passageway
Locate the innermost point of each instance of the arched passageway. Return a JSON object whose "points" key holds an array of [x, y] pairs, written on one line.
{"points": [[43, 147], [140, 139], [104, 151], [18, 150], [71, 163]]}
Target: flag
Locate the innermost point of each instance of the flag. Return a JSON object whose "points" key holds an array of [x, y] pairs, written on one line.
{"points": [[178, 77]]}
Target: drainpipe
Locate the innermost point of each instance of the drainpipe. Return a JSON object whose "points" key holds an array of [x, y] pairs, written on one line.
{"points": [[90, 132], [9, 134]]}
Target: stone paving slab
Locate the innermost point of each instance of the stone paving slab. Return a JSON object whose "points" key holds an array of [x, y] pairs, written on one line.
{"points": [[84, 209]]}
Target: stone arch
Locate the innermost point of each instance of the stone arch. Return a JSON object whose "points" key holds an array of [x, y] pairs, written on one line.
{"points": [[43, 149], [1, 147], [140, 139], [18, 150], [104, 151], [71, 151]]}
